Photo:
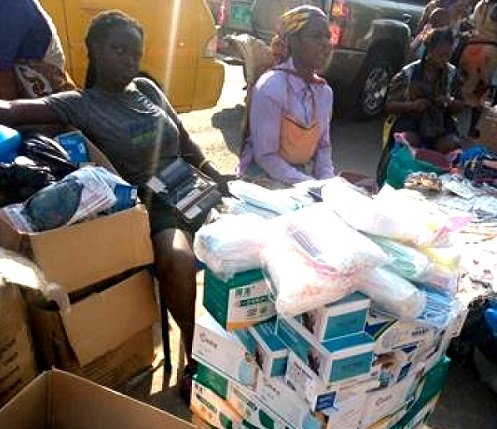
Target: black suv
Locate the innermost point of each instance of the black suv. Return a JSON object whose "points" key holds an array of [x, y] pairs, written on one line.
{"points": [[370, 40]]}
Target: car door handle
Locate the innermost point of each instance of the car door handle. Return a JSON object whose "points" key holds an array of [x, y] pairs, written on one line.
{"points": [[406, 18]]}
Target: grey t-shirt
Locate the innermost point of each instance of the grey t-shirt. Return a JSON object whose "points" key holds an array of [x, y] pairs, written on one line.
{"points": [[137, 129]]}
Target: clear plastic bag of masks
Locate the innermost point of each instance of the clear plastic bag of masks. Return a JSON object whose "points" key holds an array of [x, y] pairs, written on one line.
{"points": [[329, 243], [398, 214], [392, 294], [296, 283], [433, 266]]}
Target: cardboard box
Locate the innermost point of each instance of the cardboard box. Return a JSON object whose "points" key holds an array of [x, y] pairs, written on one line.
{"points": [[240, 302], [17, 361], [80, 255], [334, 360], [106, 337], [213, 409], [270, 353], [58, 400], [223, 352], [344, 317]]}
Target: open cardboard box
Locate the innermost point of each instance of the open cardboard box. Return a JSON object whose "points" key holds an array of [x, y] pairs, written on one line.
{"points": [[106, 337], [58, 400], [85, 253], [17, 361]]}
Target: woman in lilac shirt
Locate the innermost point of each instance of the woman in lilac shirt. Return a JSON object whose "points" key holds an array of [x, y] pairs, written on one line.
{"points": [[290, 107]]}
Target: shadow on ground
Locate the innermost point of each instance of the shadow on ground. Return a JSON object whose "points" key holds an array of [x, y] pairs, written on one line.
{"points": [[230, 122]]}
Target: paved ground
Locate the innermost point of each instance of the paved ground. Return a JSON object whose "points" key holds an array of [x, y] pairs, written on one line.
{"points": [[466, 403]]}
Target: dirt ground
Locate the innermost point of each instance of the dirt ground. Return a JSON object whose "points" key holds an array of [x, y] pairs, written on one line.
{"points": [[465, 404]]}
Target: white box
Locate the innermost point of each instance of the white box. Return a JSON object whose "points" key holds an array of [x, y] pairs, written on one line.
{"points": [[270, 353], [386, 402], [344, 317], [212, 408], [390, 334], [319, 395], [223, 351], [284, 402], [250, 408], [334, 360], [348, 414]]}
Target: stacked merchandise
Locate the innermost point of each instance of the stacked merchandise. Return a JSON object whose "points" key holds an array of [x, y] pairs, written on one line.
{"points": [[313, 324]]}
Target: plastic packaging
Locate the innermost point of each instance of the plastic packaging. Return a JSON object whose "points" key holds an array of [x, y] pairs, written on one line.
{"points": [[297, 284], [232, 244], [405, 261], [78, 196], [272, 200], [330, 243], [393, 214], [10, 140], [392, 294]]}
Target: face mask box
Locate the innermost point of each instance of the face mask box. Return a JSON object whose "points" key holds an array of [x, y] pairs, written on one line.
{"points": [[240, 398], [286, 405], [344, 317], [348, 414], [270, 353], [322, 396], [390, 334], [389, 401], [334, 360], [240, 302], [212, 408], [223, 351]]}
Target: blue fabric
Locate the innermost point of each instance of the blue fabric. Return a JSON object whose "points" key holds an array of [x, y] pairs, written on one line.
{"points": [[24, 32]]}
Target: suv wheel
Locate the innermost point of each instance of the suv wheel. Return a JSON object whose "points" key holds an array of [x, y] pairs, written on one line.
{"points": [[371, 88]]}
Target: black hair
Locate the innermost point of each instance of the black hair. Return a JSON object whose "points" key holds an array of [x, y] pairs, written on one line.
{"points": [[100, 27]]}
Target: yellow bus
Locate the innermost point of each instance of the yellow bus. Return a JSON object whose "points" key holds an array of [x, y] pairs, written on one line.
{"points": [[180, 44]]}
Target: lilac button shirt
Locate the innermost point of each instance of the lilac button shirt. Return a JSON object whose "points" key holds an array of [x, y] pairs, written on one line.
{"points": [[270, 100]]}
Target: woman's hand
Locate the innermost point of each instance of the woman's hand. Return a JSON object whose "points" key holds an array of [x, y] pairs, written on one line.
{"points": [[220, 179]]}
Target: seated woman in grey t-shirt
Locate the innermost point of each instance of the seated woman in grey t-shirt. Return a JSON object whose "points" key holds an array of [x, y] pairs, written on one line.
{"points": [[131, 121]]}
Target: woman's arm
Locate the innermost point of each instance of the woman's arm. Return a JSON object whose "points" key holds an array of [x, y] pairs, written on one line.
{"points": [[24, 112], [323, 165]]}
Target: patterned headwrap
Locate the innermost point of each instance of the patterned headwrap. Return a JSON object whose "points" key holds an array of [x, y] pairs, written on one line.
{"points": [[295, 19], [291, 23]]}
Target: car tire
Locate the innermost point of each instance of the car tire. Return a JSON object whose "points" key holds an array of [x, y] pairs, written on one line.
{"points": [[370, 88]]}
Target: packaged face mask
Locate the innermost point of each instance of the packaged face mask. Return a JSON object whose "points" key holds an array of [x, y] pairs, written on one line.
{"points": [[223, 351], [282, 400], [334, 360], [269, 351], [243, 400], [213, 409], [240, 302], [344, 317]]}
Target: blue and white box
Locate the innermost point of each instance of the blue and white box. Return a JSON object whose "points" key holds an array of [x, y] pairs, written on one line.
{"points": [[344, 317], [319, 395], [74, 143], [391, 334], [334, 360], [223, 351], [287, 406], [270, 353]]}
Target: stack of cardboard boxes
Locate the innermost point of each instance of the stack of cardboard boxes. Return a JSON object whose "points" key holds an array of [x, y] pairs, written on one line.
{"points": [[95, 314], [339, 366]]}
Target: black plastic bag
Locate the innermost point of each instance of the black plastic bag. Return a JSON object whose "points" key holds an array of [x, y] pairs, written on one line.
{"points": [[46, 152], [19, 182]]}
